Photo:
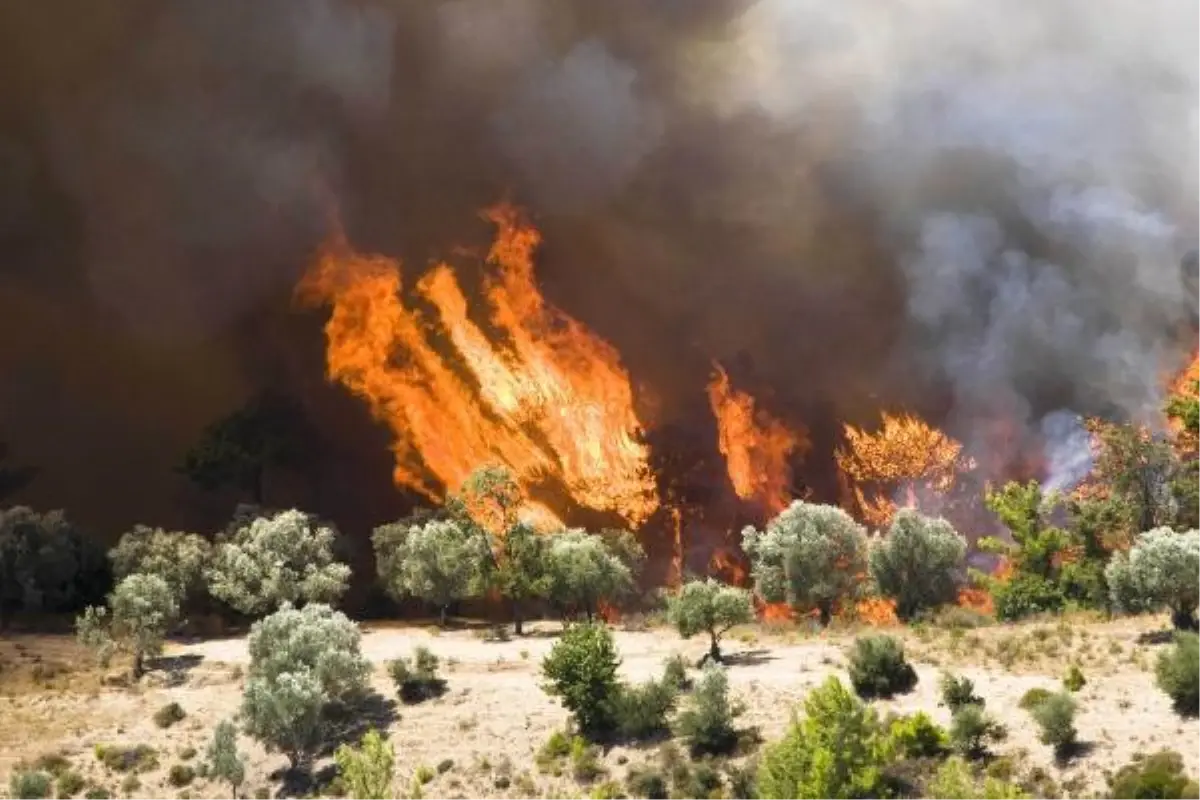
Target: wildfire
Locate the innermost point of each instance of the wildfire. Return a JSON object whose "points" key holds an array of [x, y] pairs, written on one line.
{"points": [[547, 398], [905, 457], [756, 446]]}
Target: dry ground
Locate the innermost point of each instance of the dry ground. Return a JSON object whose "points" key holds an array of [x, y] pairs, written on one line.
{"points": [[495, 717]]}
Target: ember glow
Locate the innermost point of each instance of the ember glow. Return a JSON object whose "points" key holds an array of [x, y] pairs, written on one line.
{"points": [[905, 458], [549, 399], [756, 446]]}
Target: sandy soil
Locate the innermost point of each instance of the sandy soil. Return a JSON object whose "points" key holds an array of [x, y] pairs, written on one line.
{"points": [[495, 717]]}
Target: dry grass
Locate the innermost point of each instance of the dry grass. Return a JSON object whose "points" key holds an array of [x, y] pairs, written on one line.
{"points": [[494, 718]]}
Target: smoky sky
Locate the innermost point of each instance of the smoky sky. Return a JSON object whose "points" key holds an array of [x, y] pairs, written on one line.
{"points": [[974, 211]]}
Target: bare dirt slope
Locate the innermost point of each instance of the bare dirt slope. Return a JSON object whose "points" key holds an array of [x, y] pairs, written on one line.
{"points": [[494, 717]]}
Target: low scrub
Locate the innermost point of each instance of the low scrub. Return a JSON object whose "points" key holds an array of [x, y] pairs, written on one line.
{"points": [[642, 711], [1034, 698], [706, 723], [958, 691], [181, 775], [69, 783], [1178, 673], [140, 758], [1074, 680], [168, 715], [1055, 717], [29, 783], [646, 782], [1158, 775], [878, 667], [973, 730], [417, 679]]}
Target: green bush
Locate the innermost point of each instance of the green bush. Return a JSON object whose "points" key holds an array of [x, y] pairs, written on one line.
{"points": [[181, 775], [1025, 595], [417, 679], [97, 793], [958, 692], [954, 779], [1034, 698], [69, 783], [972, 729], [646, 782], [224, 762], [675, 673], [168, 715], [141, 758], [878, 667], [47, 564], [702, 781], [582, 670], [367, 771], [919, 563], [916, 736], [835, 750], [1178, 673], [642, 711], [1056, 717], [1160, 775], [1074, 680], [28, 783], [585, 761], [706, 724]]}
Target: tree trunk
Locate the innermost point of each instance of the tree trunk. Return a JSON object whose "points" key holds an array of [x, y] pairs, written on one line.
{"points": [[442, 616], [825, 608], [1184, 620], [516, 615], [714, 650], [139, 668]]}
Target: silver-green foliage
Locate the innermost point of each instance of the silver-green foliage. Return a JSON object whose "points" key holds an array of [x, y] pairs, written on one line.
{"points": [[584, 569], [439, 561], [287, 558], [140, 611], [1162, 569], [176, 557], [224, 761], [711, 607], [919, 563], [810, 555], [301, 661]]}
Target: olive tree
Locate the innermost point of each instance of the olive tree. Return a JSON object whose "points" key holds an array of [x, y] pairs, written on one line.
{"points": [[1161, 570], [48, 564], [711, 607], [438, 562], [301, 662], [176, 557], [583, 570], [285, 558], [141, 609], [920, 563], [810, 555]]}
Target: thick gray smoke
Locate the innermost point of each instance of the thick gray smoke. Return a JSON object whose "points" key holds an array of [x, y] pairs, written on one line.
{"points": [[974, 211]]}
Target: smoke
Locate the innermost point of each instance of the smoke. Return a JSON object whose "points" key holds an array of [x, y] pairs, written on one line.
{"points": [[967, 211]]}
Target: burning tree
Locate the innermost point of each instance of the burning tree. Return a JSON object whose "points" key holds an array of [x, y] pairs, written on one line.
{"points": [[906, 457]]}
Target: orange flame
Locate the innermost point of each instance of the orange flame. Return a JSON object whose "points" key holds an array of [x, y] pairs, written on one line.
{"points": [[877, 611], [551, 401], [756, 446], [726, 566], [905, 456], [775, 612], [976, 599]]}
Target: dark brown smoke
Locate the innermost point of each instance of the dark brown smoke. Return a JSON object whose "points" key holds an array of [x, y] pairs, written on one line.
{"points": [[976, 214]]}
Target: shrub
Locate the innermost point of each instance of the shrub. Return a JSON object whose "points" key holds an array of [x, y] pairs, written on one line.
{"points": [[54, 763], [1158, 775], [141, 609], [140, 758], [181, 775], [438, 561], [1025, 595], [742, 779], [168, 715], [1056, 717], [1034, 698], [555, 749], [919, 564], [958, 618], [641, 711], [954, 779], [878, 667], [225, 763], [958, 692], [810, 555], [47, 564], [584, 569], [417, 680], [284, 559], [1162, 569], [445, 765], [646, 782], [585, 761], [1073, 681], [706, 723], [916, 736], [582, 670], [177, 558], [702, 781], [835, 750], [675, 673], [97, 793], [711, 607], [131, 784], [69, 783], [972, 729], [1177, 673], [27, 783], [367, 771], [301, 661]]}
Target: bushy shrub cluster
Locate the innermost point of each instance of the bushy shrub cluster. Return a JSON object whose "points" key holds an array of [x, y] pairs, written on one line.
{"points": [[367, 770], [1159, 775], [417, 679], [706, 723], [47, 564], [878, 667], [1055, 717], [1178, 673]]}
